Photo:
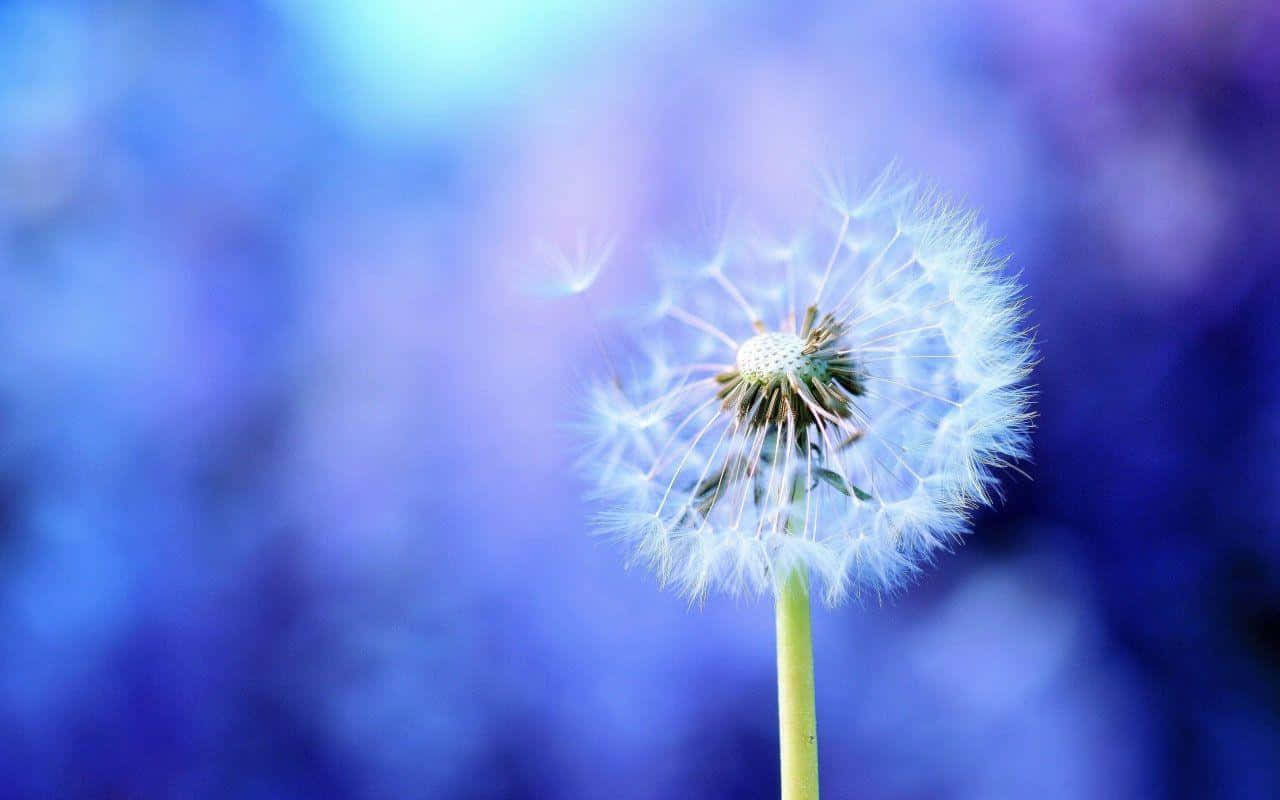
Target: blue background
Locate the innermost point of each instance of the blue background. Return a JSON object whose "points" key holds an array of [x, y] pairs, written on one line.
{"points": [[286, 499]]}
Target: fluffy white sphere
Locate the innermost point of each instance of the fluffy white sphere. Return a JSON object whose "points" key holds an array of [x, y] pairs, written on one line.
{"points": [[837, 405]]}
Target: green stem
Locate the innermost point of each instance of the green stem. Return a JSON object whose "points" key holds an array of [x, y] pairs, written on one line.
{"points": [[797, 719]]}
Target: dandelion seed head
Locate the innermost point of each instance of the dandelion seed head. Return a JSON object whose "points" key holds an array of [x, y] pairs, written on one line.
{"points": [[773, 357], [839, 405]]}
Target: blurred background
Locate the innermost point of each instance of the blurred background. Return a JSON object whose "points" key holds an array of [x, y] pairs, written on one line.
{"points": [[286, 499]]}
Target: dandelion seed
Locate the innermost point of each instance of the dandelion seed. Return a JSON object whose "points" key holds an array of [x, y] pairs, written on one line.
{"points": [[561, 273], [837, 407]]}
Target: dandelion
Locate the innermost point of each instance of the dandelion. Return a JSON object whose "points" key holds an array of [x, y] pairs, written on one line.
{"points": [[825, 412]]}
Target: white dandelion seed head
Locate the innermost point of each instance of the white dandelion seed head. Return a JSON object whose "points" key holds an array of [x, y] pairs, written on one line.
{"points": [[836, 407], [770, 357]]}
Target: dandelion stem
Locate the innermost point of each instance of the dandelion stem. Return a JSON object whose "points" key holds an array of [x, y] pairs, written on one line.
{"points": [[797, 719]]}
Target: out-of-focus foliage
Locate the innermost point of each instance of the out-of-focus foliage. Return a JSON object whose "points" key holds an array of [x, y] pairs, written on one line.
{"points": [[285, 499]]}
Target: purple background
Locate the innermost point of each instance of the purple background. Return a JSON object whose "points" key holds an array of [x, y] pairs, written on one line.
{"points": [[286, 505]]}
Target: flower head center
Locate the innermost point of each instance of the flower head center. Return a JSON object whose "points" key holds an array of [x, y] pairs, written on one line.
{"points": [[784, 379], [772, 357]]}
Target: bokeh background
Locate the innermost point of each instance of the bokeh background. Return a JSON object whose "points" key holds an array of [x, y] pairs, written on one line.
{"points": [[286, 499]]}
